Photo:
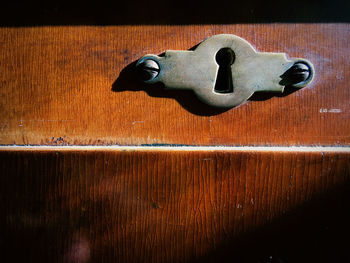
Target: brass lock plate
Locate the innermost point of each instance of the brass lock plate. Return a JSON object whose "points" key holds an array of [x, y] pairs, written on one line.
{"points": [[225, 70]]}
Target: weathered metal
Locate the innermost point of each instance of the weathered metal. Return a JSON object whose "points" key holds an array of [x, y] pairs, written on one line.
{"points": [[251, 71]]}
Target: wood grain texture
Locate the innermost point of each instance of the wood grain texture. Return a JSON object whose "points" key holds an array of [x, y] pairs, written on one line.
{"points": [[56, 88], [158, 206]]}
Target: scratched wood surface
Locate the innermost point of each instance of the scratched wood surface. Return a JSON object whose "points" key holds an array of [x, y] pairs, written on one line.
{"points": [[64, 86], [159, 206]]}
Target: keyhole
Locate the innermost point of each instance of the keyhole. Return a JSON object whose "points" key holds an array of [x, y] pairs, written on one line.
{"points": [[225, 58]]}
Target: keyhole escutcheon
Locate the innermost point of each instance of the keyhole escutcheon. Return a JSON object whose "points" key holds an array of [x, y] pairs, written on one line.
{"points": [[225, 57]]}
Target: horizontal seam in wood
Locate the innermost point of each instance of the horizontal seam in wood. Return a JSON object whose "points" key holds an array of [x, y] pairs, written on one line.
{"points": [[344, 149]]}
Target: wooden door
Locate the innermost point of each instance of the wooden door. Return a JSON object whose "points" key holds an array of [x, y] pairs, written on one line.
{"points": [[96, 167]]}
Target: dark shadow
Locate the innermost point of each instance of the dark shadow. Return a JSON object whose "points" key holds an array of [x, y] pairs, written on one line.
{"points": [[39, 13], [317, 231], [261, 96], [128, 81]]}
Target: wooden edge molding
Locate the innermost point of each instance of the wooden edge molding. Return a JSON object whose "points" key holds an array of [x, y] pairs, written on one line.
{"points": [[340, 149]]}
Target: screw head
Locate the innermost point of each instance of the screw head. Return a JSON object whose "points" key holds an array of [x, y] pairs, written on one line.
{"points": [[298, 73], [148, 69]]}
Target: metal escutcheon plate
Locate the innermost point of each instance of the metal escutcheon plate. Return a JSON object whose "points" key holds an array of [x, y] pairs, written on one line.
{"points": [[251, 71]]}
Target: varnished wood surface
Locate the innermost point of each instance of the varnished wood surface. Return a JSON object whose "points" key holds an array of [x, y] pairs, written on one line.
{"points": [[56, 88], [159, 206]]}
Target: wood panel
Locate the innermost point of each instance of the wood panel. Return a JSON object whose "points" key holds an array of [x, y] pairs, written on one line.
{"points": [[62, 86], [172, 206]]}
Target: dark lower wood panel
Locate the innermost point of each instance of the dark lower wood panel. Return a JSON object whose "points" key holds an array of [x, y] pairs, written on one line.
{"points": [[71, 85], [158, 206]]}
